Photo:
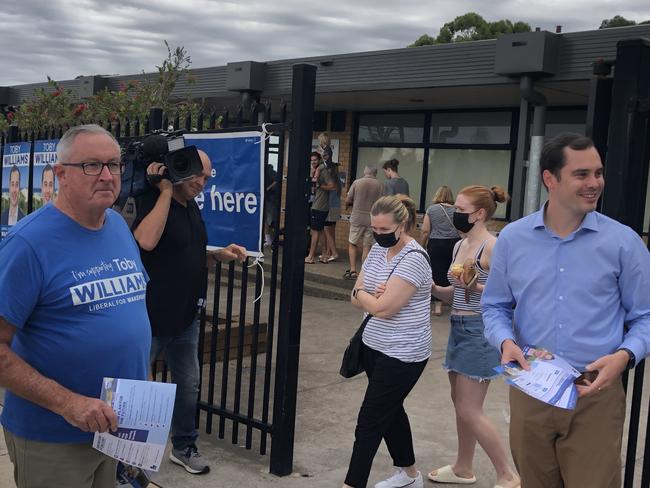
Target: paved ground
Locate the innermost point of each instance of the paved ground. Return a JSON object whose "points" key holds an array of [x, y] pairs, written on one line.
{"points": [[327, 409]]}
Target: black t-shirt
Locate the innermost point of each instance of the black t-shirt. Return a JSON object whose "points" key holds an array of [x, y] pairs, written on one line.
{"points": [[176, 266]]}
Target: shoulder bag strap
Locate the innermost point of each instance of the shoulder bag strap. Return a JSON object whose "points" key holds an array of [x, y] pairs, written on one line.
{"points": [[369, 316], [446, 215]]}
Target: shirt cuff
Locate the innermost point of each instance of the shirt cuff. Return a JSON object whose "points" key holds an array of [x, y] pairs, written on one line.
{"points": [[636, 346]]}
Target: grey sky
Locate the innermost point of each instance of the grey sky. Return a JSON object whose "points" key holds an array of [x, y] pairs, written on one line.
{"points": [[67, 38]]}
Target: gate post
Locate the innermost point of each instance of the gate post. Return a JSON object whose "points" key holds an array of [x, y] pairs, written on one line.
{"points": [[626, 165], [626, 173], [293, 270]]}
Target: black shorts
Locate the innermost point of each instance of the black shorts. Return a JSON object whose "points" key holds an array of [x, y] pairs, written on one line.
{"points": [[318, 219]]}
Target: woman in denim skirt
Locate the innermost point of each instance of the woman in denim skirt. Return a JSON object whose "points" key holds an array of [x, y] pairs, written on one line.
{"points": [[470, 358]]}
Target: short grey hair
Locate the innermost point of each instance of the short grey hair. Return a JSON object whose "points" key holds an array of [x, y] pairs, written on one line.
{"points": [[65, 143], [370, 170]]}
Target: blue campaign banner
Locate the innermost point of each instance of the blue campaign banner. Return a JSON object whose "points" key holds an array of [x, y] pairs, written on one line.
{"points": [[45, 186], [231, 203], [15, 179]]}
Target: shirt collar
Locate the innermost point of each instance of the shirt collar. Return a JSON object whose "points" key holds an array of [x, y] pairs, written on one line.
{"points": [[590, 222]]}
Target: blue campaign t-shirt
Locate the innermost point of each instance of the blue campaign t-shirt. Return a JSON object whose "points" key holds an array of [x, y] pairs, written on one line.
{"points": [[77, 298]]}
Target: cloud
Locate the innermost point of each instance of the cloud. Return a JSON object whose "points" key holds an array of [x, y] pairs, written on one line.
{"points": [[67, 38]]}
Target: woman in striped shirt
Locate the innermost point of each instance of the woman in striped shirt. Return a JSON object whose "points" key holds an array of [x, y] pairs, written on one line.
{"points": [[470, 358], [394, 286]]}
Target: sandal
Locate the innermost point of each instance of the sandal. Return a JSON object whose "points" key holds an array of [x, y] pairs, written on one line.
{"points": [[446, 475], [350, 275], [309, 261]]}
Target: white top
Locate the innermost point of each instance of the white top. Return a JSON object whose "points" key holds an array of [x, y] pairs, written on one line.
{"points": [[407, 334]]}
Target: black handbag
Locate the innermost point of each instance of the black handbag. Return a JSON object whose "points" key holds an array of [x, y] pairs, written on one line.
{"points": [[352, 365]]}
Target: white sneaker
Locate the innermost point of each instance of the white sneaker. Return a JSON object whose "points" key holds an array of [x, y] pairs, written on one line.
{"points": [[400, 480]]}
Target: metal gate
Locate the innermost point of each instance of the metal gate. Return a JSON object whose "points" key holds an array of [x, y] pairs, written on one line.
{"points": [[241, 384]]}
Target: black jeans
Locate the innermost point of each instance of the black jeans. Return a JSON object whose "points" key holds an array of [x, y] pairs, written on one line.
{"points": [[382, 414]]}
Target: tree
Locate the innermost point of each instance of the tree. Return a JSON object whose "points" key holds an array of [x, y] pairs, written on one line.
{"points": [[423, 40], [616, 21], [471, 27]]}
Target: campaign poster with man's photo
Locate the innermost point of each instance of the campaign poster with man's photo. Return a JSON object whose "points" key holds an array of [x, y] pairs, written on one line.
{"points": [[15, 179], [44, 184]]}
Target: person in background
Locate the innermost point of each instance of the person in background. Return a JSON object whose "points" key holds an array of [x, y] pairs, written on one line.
{"points": [[322, 182], [334, 213], [270, 202], [394, 184], [362, 195], [439, 236], [470, 359]]}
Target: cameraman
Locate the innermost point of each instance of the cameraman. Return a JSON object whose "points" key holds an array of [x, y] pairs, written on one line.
{"points": [[172, 239]]}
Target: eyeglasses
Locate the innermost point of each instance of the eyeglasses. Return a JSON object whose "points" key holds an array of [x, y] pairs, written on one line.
{"points": [[96, 168]]}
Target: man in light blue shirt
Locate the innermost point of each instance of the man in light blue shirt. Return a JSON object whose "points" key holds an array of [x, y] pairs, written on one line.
{"points": [[579, 283]]}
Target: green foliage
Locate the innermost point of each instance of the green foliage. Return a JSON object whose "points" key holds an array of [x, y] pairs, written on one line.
{"points": [[471, 27], [616, 21], [48, 110], [423, 40], [57, 107]]}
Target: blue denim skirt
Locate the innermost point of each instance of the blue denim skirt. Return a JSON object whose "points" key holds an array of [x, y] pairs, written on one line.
{"points": [[468, 352]]}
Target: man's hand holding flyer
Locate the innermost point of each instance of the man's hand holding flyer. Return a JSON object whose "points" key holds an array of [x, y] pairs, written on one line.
{"points": [[550, 378]]}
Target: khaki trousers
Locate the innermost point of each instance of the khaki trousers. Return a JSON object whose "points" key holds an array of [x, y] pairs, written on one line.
{"points": [[557, 448], [50, 465]]}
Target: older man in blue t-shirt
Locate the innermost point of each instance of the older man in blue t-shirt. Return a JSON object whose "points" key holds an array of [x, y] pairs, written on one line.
{"points": [[579, 283], [72, 311]]}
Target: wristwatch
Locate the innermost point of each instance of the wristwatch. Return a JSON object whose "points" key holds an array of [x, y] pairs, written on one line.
{"points": [[632, 361], [355, 291]]}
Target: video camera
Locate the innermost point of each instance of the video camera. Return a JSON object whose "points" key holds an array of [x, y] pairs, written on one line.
{"points": [[182, 162]]}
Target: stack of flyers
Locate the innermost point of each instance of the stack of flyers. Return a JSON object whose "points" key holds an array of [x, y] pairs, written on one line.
{"points": [[550, 378], [144, 413]]}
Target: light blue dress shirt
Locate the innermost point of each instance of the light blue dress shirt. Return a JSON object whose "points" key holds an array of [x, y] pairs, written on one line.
{"points": [[581, 297]]}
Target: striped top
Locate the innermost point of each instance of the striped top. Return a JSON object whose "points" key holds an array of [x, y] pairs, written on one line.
{"points": [[407, 334], [440, 217], [474, 304]]}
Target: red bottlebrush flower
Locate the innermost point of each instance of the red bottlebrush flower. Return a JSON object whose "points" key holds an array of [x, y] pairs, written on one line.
{"points": [[10, 116], [79, 109], [56, 93]]}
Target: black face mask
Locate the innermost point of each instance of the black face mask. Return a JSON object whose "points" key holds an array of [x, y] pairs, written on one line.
{"points": [[462, 223], [386, 240]]}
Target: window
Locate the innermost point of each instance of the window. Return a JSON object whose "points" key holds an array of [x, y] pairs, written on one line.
{"points": [[410, 165], [471, 127], [391, 128], [458, 168]]}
